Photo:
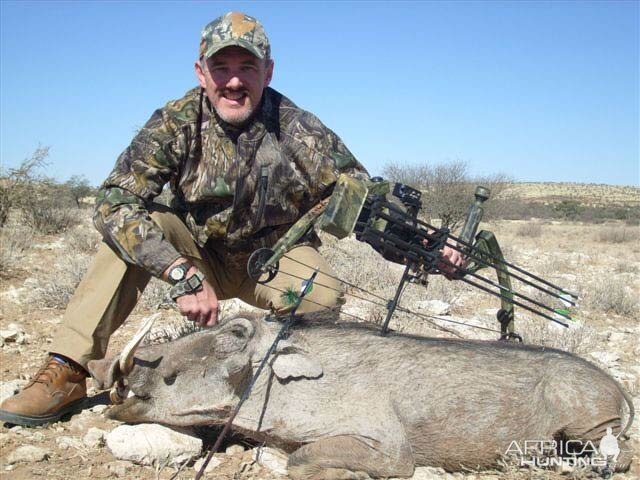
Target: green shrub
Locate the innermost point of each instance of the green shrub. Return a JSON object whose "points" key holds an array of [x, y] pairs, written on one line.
{"points": [[569, 209]]}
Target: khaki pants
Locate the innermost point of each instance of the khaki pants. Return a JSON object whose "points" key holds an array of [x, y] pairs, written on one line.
{"points": [[111, 288]]}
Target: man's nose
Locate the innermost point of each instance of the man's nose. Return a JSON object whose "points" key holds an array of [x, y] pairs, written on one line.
{"points": [[234, 81]]}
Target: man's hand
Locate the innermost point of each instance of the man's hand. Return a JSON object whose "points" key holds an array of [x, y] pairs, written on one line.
{"points": [[202, 306], [451, 261]]}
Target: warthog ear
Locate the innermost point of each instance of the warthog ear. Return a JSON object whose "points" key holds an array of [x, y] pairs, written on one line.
{"points": [[105, 372], [240, 327], [291, 362]]}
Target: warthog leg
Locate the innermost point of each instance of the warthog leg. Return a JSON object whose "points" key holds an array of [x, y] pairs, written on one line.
{"points": [[349, 458]]}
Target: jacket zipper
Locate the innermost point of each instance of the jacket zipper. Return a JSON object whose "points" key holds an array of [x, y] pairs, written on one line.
{"points": [[262, 195]]}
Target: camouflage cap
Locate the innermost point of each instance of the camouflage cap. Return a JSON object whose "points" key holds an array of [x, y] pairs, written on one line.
{"points": [[234, 28]]}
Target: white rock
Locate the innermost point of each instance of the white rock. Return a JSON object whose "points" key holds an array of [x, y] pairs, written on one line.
{"points": [[233, 449], [212, 465], [99, 408], [10, 388], [118, 468], [65, 442], [91, 391], [27, 454], [94, 437], [36, 436], [151, 444], [434, 307], [78, 423], [9, 335], [272, 459]]}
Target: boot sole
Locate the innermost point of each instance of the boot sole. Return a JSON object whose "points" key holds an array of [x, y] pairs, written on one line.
{"points": [[36, 420]]}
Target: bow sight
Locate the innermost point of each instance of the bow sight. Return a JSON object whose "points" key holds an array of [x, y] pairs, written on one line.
{"points": [[388, 221]]}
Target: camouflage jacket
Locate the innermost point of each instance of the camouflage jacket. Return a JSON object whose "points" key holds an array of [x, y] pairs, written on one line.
{"points": [[238, 188]]}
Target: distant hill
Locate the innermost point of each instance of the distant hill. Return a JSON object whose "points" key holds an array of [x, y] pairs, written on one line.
{"points": [[588, 194]]}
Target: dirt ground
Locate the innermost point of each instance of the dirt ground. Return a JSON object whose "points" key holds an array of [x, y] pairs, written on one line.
{"points": [[585, 258]]}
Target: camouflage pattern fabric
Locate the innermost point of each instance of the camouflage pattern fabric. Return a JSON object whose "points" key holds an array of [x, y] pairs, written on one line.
{"points": [[235, 28], [237, 189]]}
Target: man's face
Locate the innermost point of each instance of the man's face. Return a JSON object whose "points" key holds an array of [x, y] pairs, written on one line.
{"points": [[234, 80]]}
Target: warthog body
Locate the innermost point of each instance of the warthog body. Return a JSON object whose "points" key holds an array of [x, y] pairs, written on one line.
{"points": [[345, 400]]}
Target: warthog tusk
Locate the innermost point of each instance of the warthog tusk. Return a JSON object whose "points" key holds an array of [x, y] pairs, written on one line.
{"points": [[118, 393], [126, 357]]}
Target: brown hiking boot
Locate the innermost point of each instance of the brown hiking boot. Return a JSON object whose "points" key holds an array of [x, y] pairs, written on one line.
{"points": [[56, 389]]}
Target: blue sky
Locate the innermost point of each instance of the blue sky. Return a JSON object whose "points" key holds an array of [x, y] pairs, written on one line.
{"points": [[540, 91]]}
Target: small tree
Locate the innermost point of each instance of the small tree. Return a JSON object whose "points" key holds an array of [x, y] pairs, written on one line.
{"points": [[78, 187], [16, 184], [448, 188]]}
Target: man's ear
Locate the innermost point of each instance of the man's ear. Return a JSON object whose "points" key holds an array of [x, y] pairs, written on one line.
{"points": [[200, 73], [269, 74], [293, 362]]}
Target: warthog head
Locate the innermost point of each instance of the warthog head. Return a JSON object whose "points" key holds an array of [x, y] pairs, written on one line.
{"points": [[199, 378]]}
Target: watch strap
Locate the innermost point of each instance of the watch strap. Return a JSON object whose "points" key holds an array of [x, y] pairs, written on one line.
{"points": [[187, 286], [183, 267]]}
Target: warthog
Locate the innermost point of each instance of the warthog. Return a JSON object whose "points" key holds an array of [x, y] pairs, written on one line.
{"points": [[348, 402]]}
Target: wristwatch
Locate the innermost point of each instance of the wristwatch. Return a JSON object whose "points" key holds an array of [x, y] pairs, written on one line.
{"points": [[187, 286], [179, 272]]}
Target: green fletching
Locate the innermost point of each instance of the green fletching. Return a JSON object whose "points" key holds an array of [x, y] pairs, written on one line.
{"points": [[290, 297], [564, 313]]}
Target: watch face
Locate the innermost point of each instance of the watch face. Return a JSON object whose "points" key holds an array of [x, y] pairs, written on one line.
{"points": [[177, 273]]}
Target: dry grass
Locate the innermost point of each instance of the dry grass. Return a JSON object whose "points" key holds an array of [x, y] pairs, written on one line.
{"points": [[612, 296], [529, 230], [15, 241], [155, 296], [83, 239], [358, 264], [56, 288], [578, 338], [49, 219], [618, 234], [627, 267]]}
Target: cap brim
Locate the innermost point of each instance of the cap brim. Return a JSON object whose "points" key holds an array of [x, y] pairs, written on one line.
{"points": [[234, 42]]}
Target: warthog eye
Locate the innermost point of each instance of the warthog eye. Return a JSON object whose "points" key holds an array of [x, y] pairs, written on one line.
{"points": [[238, 333]]}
